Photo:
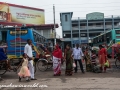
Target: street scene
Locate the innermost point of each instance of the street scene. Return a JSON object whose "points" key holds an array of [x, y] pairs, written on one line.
{"points": [[58, 45], [79, 81]]}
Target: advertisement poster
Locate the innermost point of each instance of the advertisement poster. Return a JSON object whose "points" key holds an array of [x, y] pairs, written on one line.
{"points": [[21, 14]]}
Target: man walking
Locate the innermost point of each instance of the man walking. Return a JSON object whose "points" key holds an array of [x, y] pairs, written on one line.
{"points": [[28, 51], [78, 55]]}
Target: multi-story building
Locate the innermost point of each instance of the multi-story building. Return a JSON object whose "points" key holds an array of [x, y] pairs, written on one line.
{"points": [[83, 30]]}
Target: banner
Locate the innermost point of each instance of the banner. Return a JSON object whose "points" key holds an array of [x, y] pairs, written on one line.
{"points": [[21, 14]]}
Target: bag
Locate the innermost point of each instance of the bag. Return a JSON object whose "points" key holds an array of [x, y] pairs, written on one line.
{"points": [[63, 66], [96, 69], [107, 64], [74, 65]]}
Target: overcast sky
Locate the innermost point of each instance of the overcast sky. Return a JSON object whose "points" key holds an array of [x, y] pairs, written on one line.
{"points": [[79, 8]]}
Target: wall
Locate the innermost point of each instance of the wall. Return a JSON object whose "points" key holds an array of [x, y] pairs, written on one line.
{"points": [[45, 33], [66, 21]]}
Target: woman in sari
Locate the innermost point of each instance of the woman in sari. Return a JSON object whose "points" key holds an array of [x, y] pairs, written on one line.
{"points": [[57, 56], [102, 58], [69, 61], [87, 60]]}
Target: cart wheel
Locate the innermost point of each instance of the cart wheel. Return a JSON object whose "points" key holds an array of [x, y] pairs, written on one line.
{"points": [[15, 70], [117, 63], [2, 68], [50, 65], [42, 64]]}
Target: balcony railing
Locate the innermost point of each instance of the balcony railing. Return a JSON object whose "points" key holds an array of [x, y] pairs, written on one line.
{"points": [[89, 27], [95, 27]]}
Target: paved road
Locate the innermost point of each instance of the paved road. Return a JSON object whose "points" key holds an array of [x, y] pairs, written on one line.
{"points": [[79, 81]]}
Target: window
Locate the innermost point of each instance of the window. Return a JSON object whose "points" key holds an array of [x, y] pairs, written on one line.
{"points": [[83, 35], [75, 35], [103, 38], [117, 37], [4, 36], [66, 19], [115, 23], [82, 24], [109, 37], [107, 23], [98, 24], [90, 24], [67, 36], [117, 31]]}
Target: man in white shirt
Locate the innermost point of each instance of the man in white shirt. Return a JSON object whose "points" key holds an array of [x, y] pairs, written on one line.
{"points": [[78, 56], [28, 50]]}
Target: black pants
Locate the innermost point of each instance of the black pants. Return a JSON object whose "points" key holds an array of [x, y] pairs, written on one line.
{"points": [[81, 65]]}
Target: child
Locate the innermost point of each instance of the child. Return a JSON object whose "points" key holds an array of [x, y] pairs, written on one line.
{"points": [[24, 71]]}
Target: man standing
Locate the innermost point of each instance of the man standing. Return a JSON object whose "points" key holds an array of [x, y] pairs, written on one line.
{"points": [[78, 56], [28, 51]]}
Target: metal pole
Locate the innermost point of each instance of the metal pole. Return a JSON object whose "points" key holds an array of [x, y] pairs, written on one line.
{"points": [[104, 32], [15, 40], [79, 30], [20, 41], [87, 32], [54, 25]]}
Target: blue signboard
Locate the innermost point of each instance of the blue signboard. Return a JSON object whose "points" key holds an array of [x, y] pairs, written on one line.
{"points": [[75, 42], [78, 42], [84, 41], [0, 35]]}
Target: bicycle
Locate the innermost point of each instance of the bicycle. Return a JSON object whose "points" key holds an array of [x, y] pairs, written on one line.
{"points": [[117, 63], [4, 67]]}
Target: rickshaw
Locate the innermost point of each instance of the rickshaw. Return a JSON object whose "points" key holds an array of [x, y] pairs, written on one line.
{"points": [[4, 61], [115, 50], [44, 61]]}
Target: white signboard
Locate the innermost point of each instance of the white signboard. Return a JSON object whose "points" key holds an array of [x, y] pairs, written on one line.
{"points": [[95, 16]]}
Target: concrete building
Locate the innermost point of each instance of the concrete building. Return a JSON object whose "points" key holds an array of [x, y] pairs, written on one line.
{"points": [[81, 30]]}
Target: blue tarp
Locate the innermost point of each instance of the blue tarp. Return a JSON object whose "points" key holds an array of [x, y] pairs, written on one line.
{"points": [[3, 56]]}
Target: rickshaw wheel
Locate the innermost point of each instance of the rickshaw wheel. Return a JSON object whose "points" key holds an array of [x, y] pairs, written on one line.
{"points": [[42, 64], [50, 65], [3, 68]]}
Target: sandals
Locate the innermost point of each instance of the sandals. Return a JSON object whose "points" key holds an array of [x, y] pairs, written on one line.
{"points": [[33, 79], [19, 79], [28, 80]]}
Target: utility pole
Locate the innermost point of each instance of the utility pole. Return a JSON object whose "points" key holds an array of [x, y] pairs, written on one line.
{"points": [[105, 34], [54, 25]]}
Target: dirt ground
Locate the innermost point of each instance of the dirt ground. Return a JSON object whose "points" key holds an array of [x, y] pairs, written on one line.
{"points": [[79, 81]]}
